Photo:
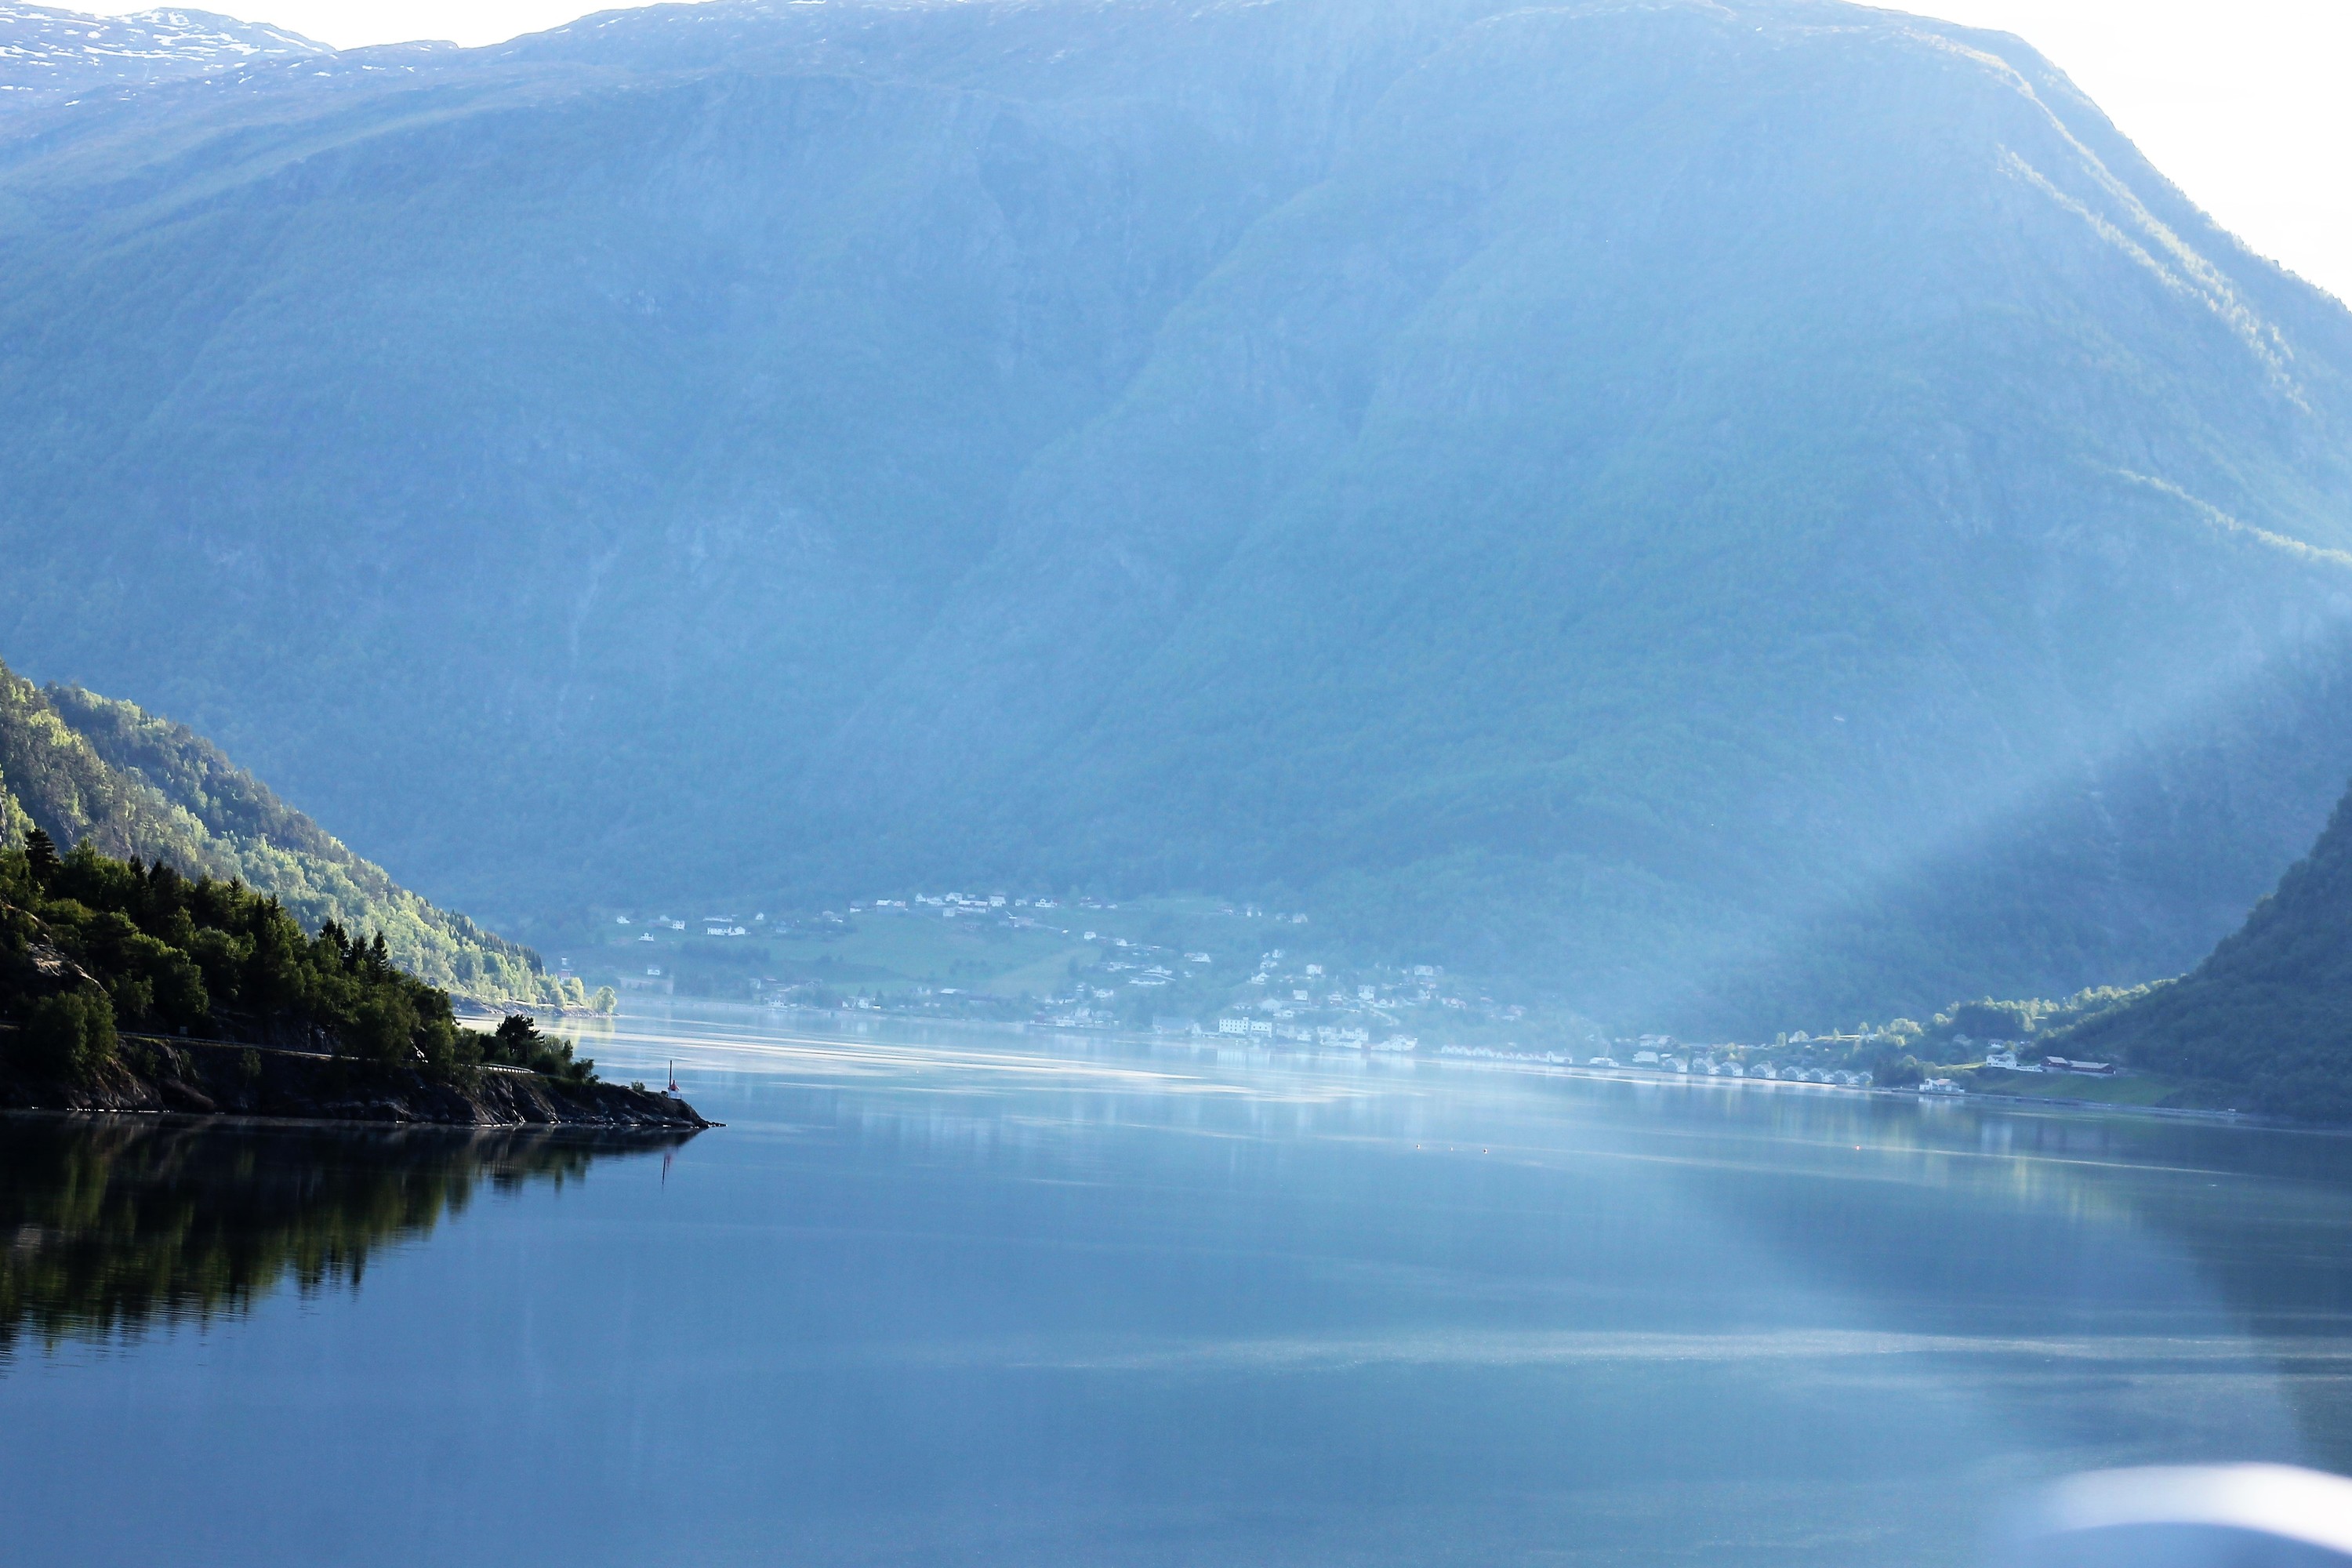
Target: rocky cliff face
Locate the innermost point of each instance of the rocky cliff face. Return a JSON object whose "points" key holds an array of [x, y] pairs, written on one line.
{"points": [[1735, 512]]}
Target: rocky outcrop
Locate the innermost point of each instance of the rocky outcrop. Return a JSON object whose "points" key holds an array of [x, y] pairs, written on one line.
{"points": [[207, 1079]]}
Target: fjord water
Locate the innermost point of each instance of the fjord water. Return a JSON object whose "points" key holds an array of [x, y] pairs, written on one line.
{"points": [[987, 1296]]}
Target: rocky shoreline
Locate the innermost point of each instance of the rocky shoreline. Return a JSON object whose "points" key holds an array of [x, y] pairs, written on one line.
{"points": [[155, 1075]]}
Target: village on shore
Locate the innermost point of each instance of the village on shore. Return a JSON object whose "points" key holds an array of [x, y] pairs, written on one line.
{"points": [[1232, 975]]}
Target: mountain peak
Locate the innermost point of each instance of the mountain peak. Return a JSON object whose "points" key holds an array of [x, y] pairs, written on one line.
{"points": [[1738, 513]]}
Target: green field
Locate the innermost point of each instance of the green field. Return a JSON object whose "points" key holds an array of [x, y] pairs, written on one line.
{"points": [[2124, 1088]]}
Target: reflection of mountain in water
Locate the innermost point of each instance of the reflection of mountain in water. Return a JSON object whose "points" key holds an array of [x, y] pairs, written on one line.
{"points": [[106, 1227]]}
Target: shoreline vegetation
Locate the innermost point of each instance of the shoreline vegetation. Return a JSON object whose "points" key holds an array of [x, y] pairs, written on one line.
{"points": [[94, 769], [130, 987]]}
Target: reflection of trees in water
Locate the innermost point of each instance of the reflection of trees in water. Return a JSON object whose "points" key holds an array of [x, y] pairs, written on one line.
{"points": [[109, 1227]]}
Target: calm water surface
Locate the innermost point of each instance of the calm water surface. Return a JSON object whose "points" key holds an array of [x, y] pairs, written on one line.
{"points": [[983, 1298]]}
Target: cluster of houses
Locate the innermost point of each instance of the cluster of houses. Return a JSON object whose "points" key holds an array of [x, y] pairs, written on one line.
{"points": [[1655, 1060], [1287, 1001], [732, 926], [1656, 1053], [1327, 1036], [950, 905], [662, 922]]}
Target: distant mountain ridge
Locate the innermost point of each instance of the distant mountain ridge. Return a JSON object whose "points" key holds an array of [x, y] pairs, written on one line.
{"points": [[1735, 514], [48, 53], [80, 766]]}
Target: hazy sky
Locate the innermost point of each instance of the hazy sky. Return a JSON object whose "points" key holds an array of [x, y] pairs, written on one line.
{"points": [[2241, 101]]}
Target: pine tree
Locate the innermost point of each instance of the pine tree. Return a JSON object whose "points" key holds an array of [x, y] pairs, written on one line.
{"points": [[41, 854]]}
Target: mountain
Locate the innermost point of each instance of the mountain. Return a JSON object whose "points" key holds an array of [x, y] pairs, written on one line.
{"points": [[80, 766], [1741, 515], [48, 56], [2270, 1011]]}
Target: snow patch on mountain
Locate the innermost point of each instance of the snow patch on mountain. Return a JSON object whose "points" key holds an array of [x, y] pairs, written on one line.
{"points": [[48, 53]]}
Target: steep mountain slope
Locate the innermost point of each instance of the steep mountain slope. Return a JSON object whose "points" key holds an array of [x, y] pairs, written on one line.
{"points": [[79, 766], [48, 55], [2271, 1009], [1726, 510]]}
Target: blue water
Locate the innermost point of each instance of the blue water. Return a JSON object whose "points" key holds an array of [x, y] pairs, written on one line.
{"points": [[990, 1298]]}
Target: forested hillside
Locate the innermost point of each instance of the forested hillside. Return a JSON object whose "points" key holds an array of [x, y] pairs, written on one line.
{"points": [[86, 769], [1732, 513], [2271, 1010]]}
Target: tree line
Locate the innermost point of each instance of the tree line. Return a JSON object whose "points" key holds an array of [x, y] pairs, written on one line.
{"points": [[91, 945]]}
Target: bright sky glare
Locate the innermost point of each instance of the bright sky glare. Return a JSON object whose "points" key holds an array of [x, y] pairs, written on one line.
{"points": [[2240, 101]]}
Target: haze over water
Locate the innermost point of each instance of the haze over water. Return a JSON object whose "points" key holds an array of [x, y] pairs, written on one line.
{"points": [[986, 1297]]}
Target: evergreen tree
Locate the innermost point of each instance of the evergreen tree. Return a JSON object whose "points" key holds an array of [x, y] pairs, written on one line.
{"points": [[41, 856]]}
